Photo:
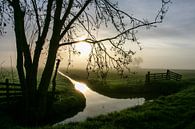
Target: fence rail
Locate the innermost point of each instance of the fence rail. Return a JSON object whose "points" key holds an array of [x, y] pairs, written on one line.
{"points": [[9, 92], [169, 75]]}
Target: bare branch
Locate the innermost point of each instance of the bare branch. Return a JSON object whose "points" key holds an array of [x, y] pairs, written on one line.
{"points": [[37, 16], [57, 14], [67, 12], [10, 2], [92, 41], [75, 18], [47, 19]]}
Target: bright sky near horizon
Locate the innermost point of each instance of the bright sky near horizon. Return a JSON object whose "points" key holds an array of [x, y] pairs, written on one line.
{"points": [[170, 46]]}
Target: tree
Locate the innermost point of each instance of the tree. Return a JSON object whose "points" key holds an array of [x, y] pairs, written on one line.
{"points": [[58, 23]]}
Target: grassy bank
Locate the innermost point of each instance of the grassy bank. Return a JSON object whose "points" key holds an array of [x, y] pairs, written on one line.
{"points": [[124, 89], [176, 111], [134, 85], [68, 102]]}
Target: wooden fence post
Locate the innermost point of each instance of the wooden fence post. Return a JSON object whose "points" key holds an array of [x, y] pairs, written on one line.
{"points": [[168, 75], [148, 77], [54, 78], [7, 89]]}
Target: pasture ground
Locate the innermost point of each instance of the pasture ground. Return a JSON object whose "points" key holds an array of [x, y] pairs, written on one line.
{"points": [[173, 111]]}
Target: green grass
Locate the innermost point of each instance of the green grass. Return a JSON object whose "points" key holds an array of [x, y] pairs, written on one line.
{"points": [[134, 85], [121, 89], [175, 111], [68, 102]]}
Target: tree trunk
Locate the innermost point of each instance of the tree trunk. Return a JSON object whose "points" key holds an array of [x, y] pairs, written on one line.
{"points": [[46, 77], [54, 78], [49, 67], [24, 60]]}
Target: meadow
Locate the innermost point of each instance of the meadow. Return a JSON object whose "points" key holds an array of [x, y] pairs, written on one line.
{"points": [[134, 85], [170, 104], [173, 111]]}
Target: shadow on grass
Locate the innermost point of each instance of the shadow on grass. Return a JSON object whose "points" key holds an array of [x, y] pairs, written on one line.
{"points": [[66, 104]]}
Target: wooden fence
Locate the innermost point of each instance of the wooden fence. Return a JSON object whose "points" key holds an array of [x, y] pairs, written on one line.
{"points": [[9, 92], [169, 75]]}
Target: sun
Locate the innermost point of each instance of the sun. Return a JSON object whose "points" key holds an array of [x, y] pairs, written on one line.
{"points": [[83, 47]]}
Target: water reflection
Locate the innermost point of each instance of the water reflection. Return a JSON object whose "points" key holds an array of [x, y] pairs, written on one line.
{"points": [[81, 87], [97, 104], [78, 85]]}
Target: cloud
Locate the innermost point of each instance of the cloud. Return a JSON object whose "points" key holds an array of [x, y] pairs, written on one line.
{"points": [[177, 30], [171, 44]]}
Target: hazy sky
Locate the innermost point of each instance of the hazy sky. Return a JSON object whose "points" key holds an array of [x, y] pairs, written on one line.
{"points": [[170, 45]]}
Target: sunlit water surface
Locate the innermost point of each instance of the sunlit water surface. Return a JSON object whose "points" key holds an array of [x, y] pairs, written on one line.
{"points": [[97, 104]]}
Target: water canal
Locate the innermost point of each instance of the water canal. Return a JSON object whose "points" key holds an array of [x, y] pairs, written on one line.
{"points": [[97, 104]]}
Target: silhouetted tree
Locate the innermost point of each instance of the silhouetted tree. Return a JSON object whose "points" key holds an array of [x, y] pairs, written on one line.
{"points": [[57, 23]]}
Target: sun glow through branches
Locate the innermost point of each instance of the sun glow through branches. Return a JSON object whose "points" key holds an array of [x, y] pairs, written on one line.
{"points": [[83, 47]]}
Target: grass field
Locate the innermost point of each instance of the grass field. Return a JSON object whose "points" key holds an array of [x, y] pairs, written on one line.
{"points": [[173, 111], [134, 85], [68, 102], [176, 111]]}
